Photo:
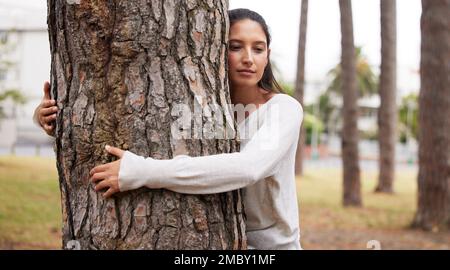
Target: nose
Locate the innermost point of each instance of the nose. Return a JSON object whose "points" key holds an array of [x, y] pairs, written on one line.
{"points": [[248, 57]]}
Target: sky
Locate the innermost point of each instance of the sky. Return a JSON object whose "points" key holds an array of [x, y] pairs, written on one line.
{"points": [[323, 39]]}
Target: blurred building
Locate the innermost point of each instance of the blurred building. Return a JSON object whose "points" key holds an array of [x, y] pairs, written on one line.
{"points": [[367, 118], [368, 130], [24, 29]]}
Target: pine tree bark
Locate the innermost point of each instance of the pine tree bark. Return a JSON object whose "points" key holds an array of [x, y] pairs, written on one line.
{"points": [[387, 113], [119, 68], [300, 83], [350, 156], [433, 211]]}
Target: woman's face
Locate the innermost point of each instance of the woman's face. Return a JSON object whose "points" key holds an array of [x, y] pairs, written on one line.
{"points": [[247, 53]]}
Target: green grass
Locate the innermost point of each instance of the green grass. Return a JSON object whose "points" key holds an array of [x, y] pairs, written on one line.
{"points": [[30, 211], [320, 201]]}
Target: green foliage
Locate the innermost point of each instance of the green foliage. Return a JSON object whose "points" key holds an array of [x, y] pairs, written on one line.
{"points": [[408, 117], [14, 94], [310, 122], [324, 110], [288, 88], [367, 82], [5, 50], [371, 135]]}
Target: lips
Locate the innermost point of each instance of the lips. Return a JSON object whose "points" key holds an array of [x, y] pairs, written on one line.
{"points": [[246, 72]]}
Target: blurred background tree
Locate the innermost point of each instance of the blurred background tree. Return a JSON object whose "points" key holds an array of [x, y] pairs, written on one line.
{"points": [[300, 82], [408, 118], [387, 112], [350, 112], [433, 209], [5, 65]]}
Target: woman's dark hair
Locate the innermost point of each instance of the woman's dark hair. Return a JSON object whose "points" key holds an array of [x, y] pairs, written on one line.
{"points": [[268, 81]]}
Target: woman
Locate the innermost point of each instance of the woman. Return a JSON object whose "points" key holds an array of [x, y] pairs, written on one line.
{"points": [[264, 168]]}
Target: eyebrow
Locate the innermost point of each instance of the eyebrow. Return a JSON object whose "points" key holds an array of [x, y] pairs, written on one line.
{"points": [[240, 41]]}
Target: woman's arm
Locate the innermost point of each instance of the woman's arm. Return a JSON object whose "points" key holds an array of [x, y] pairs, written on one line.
{"points": [[222, 172]]}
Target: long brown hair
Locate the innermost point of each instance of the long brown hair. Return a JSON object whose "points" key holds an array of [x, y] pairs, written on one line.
{"points": [[268, 81]]}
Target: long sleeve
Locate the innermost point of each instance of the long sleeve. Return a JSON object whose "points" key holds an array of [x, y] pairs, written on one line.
{"points": [[223, 172]]}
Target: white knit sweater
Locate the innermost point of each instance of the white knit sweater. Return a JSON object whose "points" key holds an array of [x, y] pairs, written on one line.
{"points": [[264, 168]]}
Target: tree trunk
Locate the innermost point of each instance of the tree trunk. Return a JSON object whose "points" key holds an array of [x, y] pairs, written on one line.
{"points": [[352, 186], [433, 211], [119, 71], [387, 113], [300, 83]]}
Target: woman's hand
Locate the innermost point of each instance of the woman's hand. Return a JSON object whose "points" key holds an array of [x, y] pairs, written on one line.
{"points": [[45, 113], [106, 176]]}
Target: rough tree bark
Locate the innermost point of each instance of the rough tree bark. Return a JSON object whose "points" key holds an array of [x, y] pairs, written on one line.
{"points": [[433, 211], [387, 113], [350, 156], [300, 82], [119, 68]]}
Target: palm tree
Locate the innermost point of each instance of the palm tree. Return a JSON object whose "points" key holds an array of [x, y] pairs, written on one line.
{"points": [[433, 211], [350, 156], [366, 80], [387, 113], [300, 82], [367, 85]]}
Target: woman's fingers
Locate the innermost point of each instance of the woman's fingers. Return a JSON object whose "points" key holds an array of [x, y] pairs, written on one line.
{"points": [[48, 110], [46, 90], [109, 192], [109, 185], [106, 176], [102, 185], [49, 119], [46, 103], [114, 151], [99, 176], [100, 168], [47, 114], [48, 128]]}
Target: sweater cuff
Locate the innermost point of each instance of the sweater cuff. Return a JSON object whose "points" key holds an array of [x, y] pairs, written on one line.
{"points": [[136, 172]]}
